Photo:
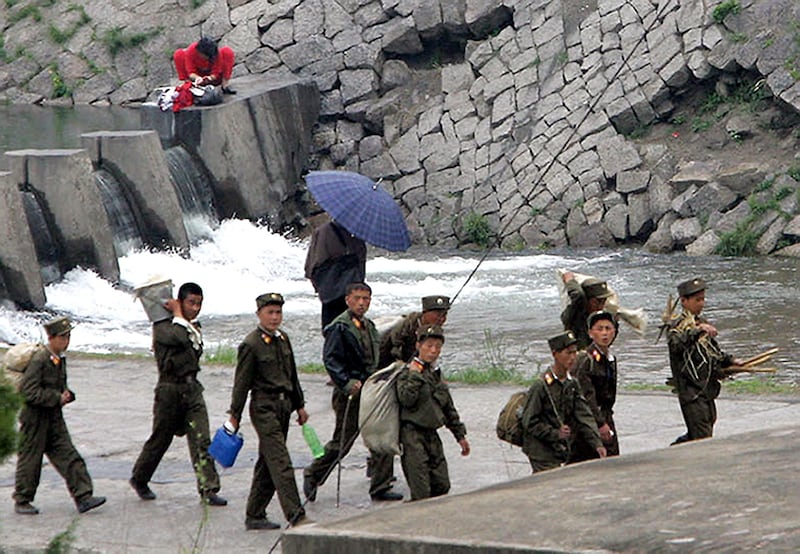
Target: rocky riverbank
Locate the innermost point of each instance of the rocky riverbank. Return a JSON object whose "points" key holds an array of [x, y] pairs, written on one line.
{"points": [[527, 123]]}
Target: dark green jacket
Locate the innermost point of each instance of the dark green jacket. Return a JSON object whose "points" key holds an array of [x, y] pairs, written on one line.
{"points": [[542, 418], [574, 315], [350, 353], [44, 380], [400, 342], [265, 364], [597, 377], [177, 356], [694, 358], [425, 401]]}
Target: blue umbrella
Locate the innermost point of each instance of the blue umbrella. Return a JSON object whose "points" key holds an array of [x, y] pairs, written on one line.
{"points": [[361, 206]]}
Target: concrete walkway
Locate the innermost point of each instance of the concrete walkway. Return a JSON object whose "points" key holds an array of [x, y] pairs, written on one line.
{"points": [[111, 420]]}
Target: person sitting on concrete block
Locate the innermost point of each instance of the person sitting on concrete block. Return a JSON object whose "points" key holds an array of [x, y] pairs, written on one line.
{"points": [[204, 63]]}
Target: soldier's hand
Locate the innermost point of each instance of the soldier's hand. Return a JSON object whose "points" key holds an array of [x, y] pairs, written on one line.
{"points": [[173, 305], [302, 416], [234, 423], [605, 433], [709, 329], [67, 397], [464, 443], [568, 276], [601, 451], [564, 432]]}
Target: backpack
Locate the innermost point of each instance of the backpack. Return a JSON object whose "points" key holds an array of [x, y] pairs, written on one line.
{"points": [[207, 95], [509, 422], [17, 359], [379, 411]]}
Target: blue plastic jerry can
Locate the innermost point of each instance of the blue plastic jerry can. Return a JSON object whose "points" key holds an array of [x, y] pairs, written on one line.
{"points": [[225, 446]]}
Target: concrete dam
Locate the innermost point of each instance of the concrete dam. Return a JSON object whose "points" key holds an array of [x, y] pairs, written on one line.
{"points": [[159, 187]]}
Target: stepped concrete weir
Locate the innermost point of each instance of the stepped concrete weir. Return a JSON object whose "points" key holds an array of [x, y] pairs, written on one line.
{"points": [[254, 145], [721, 495], [22, 278], [137, 157], [247, 157], [63, 180]]}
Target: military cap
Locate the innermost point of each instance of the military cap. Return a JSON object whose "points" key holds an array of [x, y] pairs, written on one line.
{"points": [[435, 303], [562, 341], [595, 288], [269, 298], [430, 331], [692, 286], [594, 317], [58, 326]]}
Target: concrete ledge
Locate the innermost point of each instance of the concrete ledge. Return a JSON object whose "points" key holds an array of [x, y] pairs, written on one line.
{"points": [[137, 158], [65, 180], [254, 145], [731, 494], [23, 279]]}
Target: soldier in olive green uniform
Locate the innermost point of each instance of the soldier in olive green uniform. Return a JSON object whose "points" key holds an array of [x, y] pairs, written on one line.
{"points": [[266, 367], [426, 405], [556, 411], [179, 407], [584, 299], [400, 342], [696, 361], [43, 430], [596, 372], [350, 354]]}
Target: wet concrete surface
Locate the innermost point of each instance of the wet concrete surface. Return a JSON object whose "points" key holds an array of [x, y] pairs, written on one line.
{"points": [[727, 493]]}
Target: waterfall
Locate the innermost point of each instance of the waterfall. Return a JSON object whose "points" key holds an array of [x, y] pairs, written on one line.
{"points": [[47, 249], [127, 236], [194, 194]]}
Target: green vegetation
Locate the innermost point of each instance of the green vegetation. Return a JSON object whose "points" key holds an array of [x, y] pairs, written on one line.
{"points": [[536, 211], [93, 67], [29, 10], [743, 240], [739, 38], [197, 3], [62, 542], [794, 172], [60, 37], [725, 9], [678, 120], [477, 230], [10, 402], [760, 386], [740, 242], [562, 57], [222, 355], [635, 387], [60, 88], [116, 40], [700, 124], [639, 132], [311, 368], [3, 54], [484, 376]]}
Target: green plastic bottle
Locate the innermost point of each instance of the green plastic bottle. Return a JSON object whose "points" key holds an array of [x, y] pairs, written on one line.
{"points": [[312, 440]]}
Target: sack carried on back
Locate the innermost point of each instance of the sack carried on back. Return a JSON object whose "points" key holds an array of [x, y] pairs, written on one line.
{"points": [[17, 359], [509, 422]]}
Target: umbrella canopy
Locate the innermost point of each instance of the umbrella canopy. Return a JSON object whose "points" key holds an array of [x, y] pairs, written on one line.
{"points": [[361, 206]]}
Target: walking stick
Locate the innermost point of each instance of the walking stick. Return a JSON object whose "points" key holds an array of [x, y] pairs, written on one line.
{"points": [[341, 449]]}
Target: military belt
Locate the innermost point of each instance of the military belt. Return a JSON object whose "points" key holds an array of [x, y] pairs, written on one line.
{"points": [[179, 380]]}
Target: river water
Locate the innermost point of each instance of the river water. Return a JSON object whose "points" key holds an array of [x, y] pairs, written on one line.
{"points": [[503, 316]]}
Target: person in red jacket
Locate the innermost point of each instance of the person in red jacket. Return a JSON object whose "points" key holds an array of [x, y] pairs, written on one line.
{"points": [[203, 63]]}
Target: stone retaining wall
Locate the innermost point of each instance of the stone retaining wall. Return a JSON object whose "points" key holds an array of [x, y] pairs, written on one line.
{"points": [[516, 111]]}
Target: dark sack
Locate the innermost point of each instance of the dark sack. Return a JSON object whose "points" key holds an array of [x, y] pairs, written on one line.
{"points": [[509, 422], [207, 95]]}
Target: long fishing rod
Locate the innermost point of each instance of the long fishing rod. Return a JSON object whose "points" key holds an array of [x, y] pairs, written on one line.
{"points": [[526, 198], [554, 158]]}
